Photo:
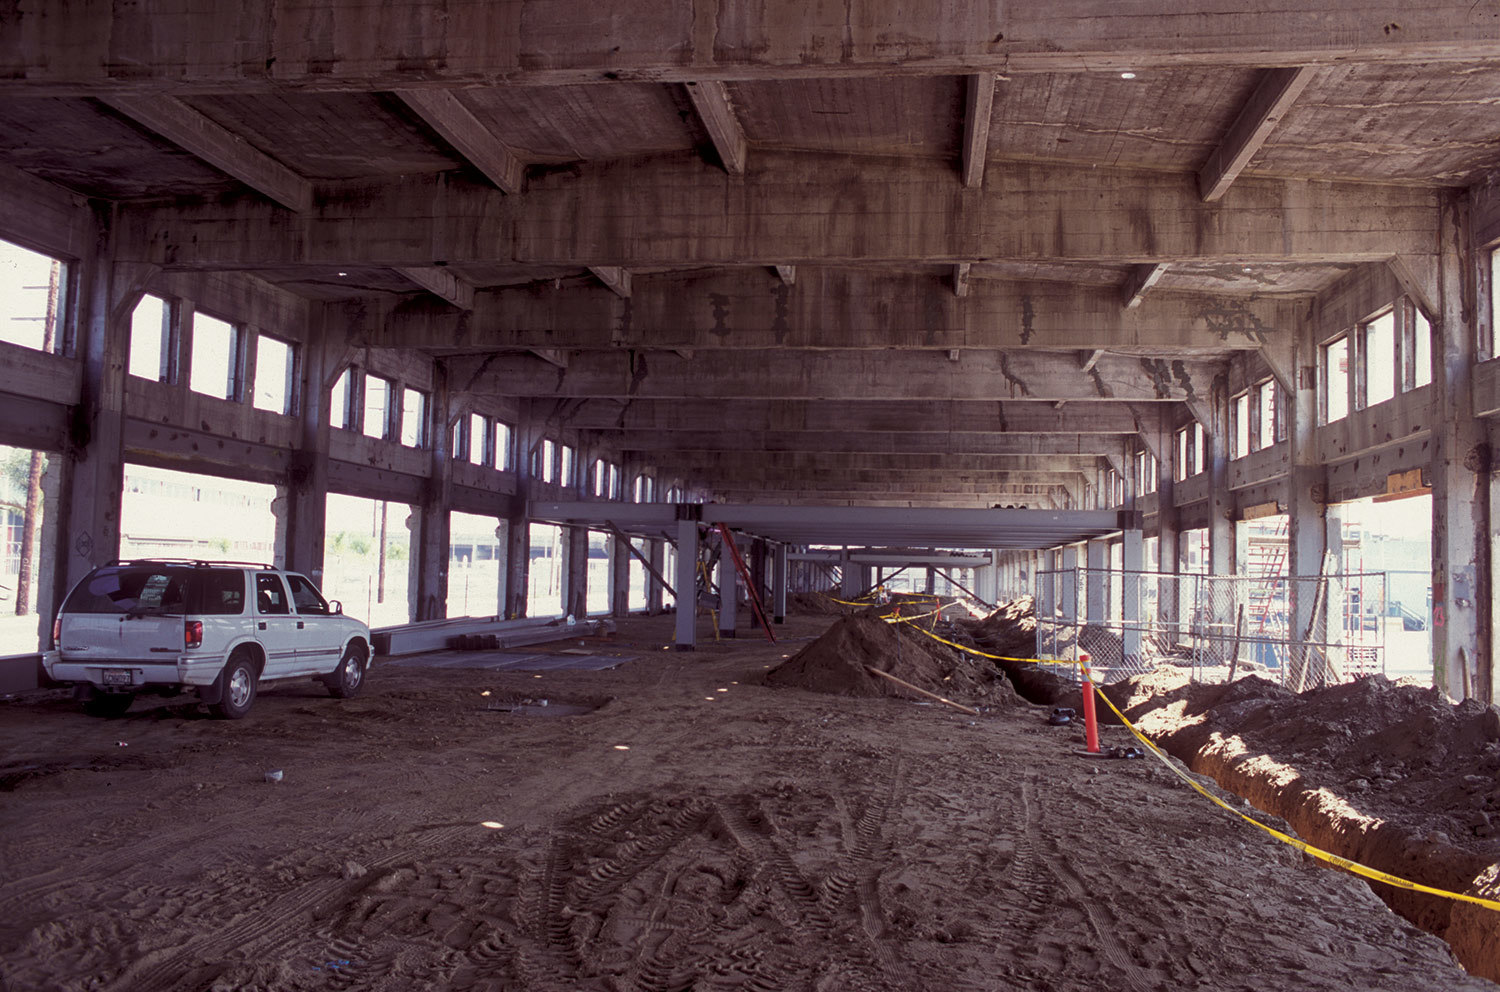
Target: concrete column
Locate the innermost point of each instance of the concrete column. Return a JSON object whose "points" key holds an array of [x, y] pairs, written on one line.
{"points": [[619, 575], [575, 572], [1221, 556], [1068, 583], [1166, 524], [729, 594], [433, 549], [94, 482], [1307, 535], [302, 527], [1461, 588], [687, 579], [1096, 555], [1131, 560], [850, 586], [517, 527]]}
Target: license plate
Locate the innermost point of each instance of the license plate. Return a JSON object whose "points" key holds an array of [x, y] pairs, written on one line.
{"points": [[117, 676]]}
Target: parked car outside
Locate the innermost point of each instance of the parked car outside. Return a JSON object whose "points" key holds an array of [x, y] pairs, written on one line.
{"points": [[222, 629]]}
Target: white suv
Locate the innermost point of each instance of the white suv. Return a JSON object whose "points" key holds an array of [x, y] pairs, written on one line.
{"points": [[222, 628]]}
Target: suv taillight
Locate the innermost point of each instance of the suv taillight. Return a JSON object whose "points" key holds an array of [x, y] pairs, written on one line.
{"points": [[192, 633], [57, 632]]}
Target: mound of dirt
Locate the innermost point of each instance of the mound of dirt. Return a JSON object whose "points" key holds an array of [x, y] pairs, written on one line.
{"points": [[813, 604], [838, 663]]}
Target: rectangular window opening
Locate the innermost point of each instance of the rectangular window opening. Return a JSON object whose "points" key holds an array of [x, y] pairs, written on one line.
{"points": [[377, 407], [31, 297], [1380, 358], [215, 367], [150, 331], [413, 418], [275, 367], [1336, 380]]}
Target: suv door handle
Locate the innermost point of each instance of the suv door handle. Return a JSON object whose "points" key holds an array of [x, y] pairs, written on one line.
{"points": [[261, 625], [299, 624]]}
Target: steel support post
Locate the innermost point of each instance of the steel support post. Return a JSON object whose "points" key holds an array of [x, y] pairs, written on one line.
{"points": [[729, 594], [686, 581], [779, 584]]}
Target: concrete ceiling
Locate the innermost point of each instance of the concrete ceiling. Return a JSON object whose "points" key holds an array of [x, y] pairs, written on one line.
{"points": [[749, 229]]}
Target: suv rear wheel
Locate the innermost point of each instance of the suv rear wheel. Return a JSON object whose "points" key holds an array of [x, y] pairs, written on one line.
{"points": [[350, 676], [239, 688]]}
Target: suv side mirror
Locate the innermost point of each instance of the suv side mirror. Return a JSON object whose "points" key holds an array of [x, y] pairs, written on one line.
{"points": [[335, 607]]}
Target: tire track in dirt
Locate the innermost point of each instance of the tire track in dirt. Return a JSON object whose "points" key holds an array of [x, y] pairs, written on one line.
{"points": [[1101, 920], [271, 924]]}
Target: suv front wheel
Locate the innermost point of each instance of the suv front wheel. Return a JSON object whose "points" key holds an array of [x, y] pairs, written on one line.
{"points": [[349, 678], [238, 688]]}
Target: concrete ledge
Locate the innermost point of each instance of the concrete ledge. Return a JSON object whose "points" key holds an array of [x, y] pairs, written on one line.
{"points": [[444, 635], [23, 672]]}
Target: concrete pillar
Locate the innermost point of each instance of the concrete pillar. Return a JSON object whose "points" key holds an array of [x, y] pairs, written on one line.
{"points": [[433, 548], [575, 572], [1461, 588], [1096, 556], [1132, 551], [1221, 556], [302, 527], [1307, 535], [94, 482], [517, 527], [1168, 560], [729, 594], [687, 577], [850, 586], [1067, 585], [619, 575]]}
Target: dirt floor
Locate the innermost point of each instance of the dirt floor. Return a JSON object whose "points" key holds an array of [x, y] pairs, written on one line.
{"points": [[673, 823]]}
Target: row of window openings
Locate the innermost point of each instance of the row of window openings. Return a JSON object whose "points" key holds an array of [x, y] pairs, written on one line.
{"points": [[218, 362]]}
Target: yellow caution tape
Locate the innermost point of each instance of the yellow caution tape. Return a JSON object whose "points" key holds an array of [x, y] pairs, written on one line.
{"points": [[1365, 871], [983, 654]]}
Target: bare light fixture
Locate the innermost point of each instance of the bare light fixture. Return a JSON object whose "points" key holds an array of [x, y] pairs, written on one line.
{"points": [[1127, 75]]}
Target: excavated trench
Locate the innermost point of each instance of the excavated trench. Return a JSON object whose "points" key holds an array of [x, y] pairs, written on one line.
{"points": [[1350, 793]]}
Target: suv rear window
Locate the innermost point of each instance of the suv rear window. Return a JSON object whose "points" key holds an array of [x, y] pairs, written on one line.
{"points": [[162, 589]]}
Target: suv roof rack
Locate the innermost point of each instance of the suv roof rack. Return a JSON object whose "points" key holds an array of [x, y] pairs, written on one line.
{"points": [[195, 562]]}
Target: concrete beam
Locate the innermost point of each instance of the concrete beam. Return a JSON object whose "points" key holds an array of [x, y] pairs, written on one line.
{"points": [[854, 416], [1274, 95], [838, 375], [978, 110], [1141, 279], [218, 146], [654, 212], [711, 99], [442, 284], [647, 442], [744, 307], [615, 278], [446, 115], [793, 462], [163, 46]]}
